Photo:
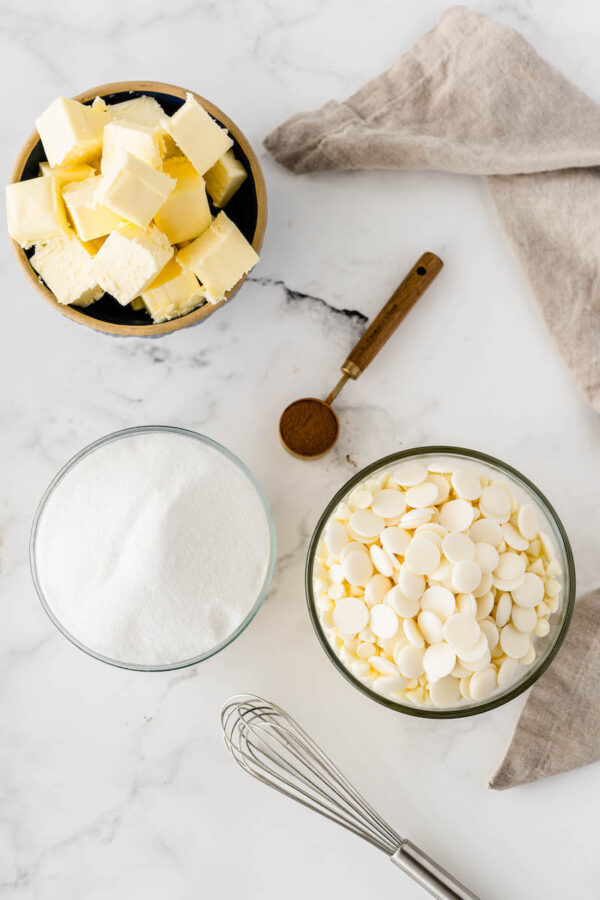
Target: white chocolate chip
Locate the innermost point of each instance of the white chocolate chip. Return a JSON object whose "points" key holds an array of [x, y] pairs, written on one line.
{"points": [[530, 592], [456, 515], [529, 656], [466, 576], [376, 589], [443, 572], [542, 628], [547, 548], [383, 621], [480, 662], [476, 653], [357, 568], [508, 671], [466, 603], [527, 521], [503, 610], [421, 495], [491, 632], [439, 600], [486, 531], [387, 684], [366, 523], [443, 488], [483, 683], [415, 517], [524, 619], [422, 557], [485, 605], [404, 606], [486, 556], [510, 566], [395, 540], [495, 503], [514, 643], [350, 548], [458, 546], [383, 666], [467, 484], [439, 660], [365, 651], [350, 615], [445, 692], [388, 503], [409, 661], [430, 626], [412, 632], [336, 537], [381, 560], [462, 631], [410, 474], [361, 498], [513, 537], [411, 584]]}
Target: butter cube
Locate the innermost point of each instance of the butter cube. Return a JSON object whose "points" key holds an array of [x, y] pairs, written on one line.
{"points": [[219, 257], [174, 292], [185, 213], [71, 132], [140, 110], [140, 140], [144, 111], [198, 135], [67, 174], [67, 268], [134, 190], [129, 261], [224, 179], [35, 211], [90, 219]]}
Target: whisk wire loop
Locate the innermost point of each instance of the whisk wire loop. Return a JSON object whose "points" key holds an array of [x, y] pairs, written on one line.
{"points": [[268, 744]]}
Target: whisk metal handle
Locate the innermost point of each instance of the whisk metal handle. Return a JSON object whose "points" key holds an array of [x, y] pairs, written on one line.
{"points": [[429, 874]]}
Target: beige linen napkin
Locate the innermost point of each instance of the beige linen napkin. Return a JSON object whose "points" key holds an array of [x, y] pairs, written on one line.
{"points": [[472, 96], [559, 728]]}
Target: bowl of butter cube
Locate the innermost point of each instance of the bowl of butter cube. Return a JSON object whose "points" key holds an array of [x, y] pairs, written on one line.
{"points": [[136, 208], [440, 582]]}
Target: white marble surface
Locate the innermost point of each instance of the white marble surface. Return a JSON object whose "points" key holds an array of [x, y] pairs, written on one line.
{"points": [[115, 784]]}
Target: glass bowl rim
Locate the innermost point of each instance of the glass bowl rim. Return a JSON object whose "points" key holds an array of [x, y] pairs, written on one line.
{"points": [[128, 432], [534, 673]]}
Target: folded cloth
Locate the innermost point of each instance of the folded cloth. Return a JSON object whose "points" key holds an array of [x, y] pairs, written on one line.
{"points": [[559, 728], [472, 96]]}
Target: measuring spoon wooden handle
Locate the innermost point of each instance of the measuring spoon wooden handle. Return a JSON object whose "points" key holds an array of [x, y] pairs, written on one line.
{"points": [[385, 323]]}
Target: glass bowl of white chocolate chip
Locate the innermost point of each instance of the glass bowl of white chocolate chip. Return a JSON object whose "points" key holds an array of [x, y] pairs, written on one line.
{"points": [[440, 582]]}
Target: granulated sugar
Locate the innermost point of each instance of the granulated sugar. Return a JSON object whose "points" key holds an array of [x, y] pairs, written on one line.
{"points": [[153, 549]]}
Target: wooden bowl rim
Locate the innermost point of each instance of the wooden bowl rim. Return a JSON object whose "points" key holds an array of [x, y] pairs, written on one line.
{"points": [[196, 315]]}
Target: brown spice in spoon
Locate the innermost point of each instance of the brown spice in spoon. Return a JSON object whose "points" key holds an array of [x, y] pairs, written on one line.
{"points": [[308, 427]]}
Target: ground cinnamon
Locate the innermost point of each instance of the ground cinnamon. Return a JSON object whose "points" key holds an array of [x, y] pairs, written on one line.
{"points": [[308, 427]]}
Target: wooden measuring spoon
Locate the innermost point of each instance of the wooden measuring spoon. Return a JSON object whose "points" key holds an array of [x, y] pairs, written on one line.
{"points": [[309, 427]]}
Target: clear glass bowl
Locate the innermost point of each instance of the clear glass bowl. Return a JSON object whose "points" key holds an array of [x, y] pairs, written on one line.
{"points": [[119, 435], [546, 648]]}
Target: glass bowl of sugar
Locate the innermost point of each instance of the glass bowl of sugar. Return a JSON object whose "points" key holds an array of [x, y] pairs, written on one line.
{"points": [[440, 582], [153, 548]]}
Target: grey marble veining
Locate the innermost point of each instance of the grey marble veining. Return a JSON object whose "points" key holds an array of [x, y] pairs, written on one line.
{"points": [[115, 784]]}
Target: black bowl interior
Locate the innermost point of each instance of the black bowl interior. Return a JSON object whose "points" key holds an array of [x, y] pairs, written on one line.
{"points": [[242, 209]]}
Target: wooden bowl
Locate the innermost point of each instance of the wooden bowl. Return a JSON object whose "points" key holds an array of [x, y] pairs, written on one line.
{"points": [[248, 209]]}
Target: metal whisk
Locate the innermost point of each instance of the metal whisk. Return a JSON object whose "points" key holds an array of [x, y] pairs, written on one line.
{"points": [[268, 744]]}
